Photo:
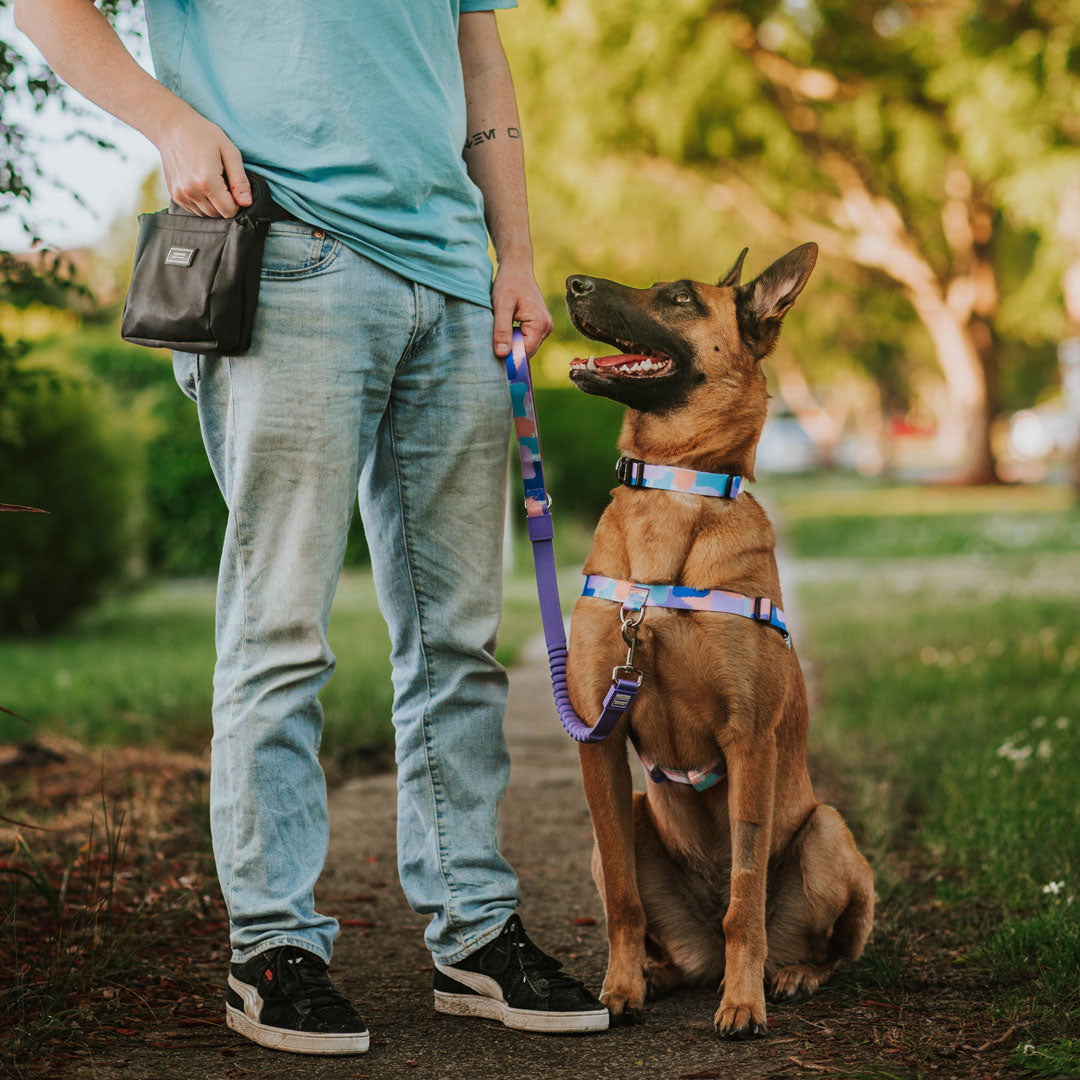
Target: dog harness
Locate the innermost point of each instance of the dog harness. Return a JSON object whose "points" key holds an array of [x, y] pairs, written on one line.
{"points": [[633, 597]]}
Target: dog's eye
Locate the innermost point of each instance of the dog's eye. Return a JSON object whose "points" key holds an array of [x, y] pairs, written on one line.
{"points": [[681, 298]]}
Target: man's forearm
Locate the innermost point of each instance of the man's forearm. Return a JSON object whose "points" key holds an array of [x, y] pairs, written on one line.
{"points": [[81, 46], [493, 152]]}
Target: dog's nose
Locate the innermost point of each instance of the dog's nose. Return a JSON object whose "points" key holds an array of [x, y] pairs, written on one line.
{"points": [[577, 285]]}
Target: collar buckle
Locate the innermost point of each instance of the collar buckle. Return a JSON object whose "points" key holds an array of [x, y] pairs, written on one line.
{"points": [[630, 472]]}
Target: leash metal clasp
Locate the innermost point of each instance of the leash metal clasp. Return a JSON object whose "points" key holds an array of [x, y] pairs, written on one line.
{"points": [[630, 622]]}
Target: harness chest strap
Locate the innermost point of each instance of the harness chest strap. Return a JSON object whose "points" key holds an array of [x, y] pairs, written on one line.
{"points": [[698, 779], [759, 608]]}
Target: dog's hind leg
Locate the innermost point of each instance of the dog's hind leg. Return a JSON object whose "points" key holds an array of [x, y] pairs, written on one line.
{"points": [[820, 908]]}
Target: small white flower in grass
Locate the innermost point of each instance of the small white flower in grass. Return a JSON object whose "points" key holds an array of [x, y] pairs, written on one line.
{"points": [[1038, 722], [1053, 887], [928, 655], [1061, 723], [1044, 750], [1018, 755], [1028, 1049]]}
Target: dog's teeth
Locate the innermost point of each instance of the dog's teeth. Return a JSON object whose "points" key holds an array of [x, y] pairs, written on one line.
{"points": [[591, 365]]}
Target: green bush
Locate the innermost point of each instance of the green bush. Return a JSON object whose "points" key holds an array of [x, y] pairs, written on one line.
{"points": [[81, 459], [186, 514], [578, 434]]}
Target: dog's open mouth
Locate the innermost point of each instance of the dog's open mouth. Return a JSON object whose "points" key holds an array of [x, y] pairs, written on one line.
{"points": [[636, 361]]}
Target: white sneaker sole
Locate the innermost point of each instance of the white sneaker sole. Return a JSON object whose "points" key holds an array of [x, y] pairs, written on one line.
{"points": [[523, 1019], [296, 1042]]}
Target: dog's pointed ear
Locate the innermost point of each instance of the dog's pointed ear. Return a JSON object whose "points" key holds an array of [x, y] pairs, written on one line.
{"points": [[761, 304], [734, 275]]}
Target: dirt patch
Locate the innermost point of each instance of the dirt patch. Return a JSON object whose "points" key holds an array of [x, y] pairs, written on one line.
{"points": [[107, 882], [910, 1009]]}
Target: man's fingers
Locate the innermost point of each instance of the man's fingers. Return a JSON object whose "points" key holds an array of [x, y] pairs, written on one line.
{"points": [[535, 330], [207, 198], [239, 185], [534, 337], [504, 325], [219, 197]]}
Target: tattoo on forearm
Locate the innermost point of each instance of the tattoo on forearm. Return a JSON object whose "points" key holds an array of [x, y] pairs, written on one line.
{"points": [[489, 135]]}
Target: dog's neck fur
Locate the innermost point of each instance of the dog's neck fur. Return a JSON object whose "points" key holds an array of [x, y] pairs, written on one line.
{"points": [[728, 447]]}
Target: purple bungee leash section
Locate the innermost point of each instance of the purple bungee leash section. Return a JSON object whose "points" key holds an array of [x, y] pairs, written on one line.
{"points": [[626, 680]]}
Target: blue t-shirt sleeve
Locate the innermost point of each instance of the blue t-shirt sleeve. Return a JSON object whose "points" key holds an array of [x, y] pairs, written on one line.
{"points": [[486, 5]]}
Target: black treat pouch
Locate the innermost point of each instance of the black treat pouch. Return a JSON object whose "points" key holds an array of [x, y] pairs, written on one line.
{"points": [[195, 282]]}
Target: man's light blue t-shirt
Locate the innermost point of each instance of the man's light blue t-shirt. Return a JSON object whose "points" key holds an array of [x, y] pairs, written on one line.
{"points": [[353, 111]]}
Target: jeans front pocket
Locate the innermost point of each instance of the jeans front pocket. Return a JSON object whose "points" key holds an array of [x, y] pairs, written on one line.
{"points": [[295, 250]]}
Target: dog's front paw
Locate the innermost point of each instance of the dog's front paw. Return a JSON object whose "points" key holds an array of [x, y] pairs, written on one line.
{"points": [[740, 1021], [625, 1006]]}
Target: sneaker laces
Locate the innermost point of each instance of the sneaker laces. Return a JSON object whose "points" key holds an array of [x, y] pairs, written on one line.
{"points": [[531, 959], [302, 973]]}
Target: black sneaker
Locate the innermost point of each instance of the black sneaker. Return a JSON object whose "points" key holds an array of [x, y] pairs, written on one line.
{"points": [[511, 980], [283, 998]]}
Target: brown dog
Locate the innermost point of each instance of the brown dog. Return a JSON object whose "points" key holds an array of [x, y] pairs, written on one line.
{"points": [[752, 879]]}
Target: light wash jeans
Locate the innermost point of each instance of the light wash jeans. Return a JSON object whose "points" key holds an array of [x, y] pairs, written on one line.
{"points": [[357, 380]]}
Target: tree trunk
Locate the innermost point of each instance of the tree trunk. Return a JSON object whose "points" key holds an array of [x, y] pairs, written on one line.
{"points": [[965, 434]]}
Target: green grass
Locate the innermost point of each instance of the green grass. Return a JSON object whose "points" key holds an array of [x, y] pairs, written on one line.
{"points": [[907, 522], [950, 702], [137, 669]]}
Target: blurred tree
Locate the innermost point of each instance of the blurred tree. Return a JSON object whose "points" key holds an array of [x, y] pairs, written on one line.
{"points": [[925, 142], [37, 275]]}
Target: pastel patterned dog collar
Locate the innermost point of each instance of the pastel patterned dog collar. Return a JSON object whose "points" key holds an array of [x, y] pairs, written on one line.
{"points": [[638, 474], [631, 595]]}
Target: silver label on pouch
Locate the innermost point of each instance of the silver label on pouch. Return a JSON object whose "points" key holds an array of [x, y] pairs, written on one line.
{"points": [[179, 256]]}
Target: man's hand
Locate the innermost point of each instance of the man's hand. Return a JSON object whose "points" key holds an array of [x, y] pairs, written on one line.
{"points": [[203, 168], [515, 297]]}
